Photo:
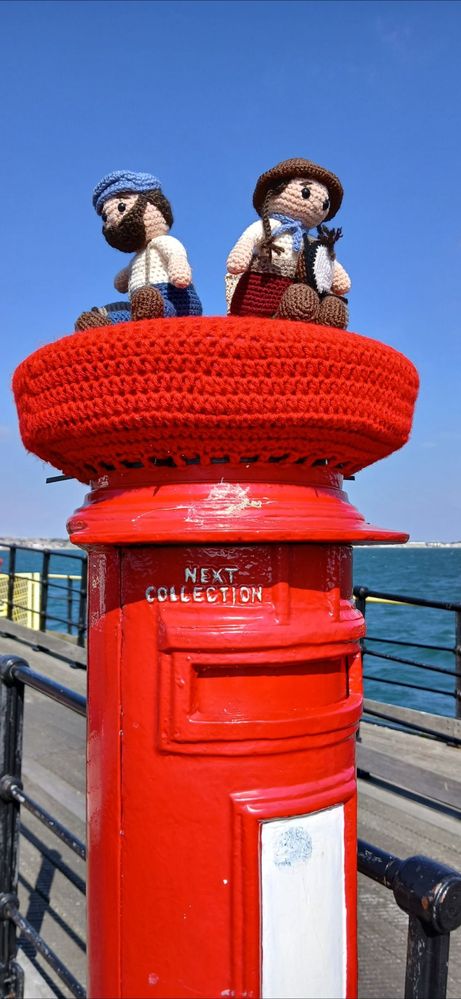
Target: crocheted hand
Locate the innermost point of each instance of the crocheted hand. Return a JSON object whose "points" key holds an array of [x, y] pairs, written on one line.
{"points": [[179, 272], [240, 257], [121, 280], [341, 281]]}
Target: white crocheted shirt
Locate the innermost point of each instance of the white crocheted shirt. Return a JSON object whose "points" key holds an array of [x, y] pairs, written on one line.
{"points": [[151, 265]]}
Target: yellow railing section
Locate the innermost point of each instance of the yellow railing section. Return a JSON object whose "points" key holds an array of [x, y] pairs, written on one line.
{"points": [[381, 600], [26, 598]]}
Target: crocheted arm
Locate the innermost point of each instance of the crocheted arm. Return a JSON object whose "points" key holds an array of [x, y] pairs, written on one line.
{"points": [[121, 280], [341, 281], [241, 255], [177, 264]]}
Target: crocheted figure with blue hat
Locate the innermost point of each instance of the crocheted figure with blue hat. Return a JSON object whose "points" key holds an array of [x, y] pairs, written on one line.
{"points": [[137, 218], [278, 267]]}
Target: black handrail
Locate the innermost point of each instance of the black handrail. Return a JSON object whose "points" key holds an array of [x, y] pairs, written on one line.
{"points": [[15, 674], [419, 727], [430, 894], [12, 790], [363, 593], [448, 605], [408, 662], [18, 669], [9, 910], [64, 552]]}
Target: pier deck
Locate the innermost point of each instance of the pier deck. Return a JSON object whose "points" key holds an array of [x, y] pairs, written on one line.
{"points": [[392, 815]]}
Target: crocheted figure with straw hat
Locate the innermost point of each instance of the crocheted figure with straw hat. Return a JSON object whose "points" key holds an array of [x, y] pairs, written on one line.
{"points": [[136, 219], [278, 267]]}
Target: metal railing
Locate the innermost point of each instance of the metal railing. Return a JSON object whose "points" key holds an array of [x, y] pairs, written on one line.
{"points": [[53, 595], [362, 594], [15, 674], [429, 892]]}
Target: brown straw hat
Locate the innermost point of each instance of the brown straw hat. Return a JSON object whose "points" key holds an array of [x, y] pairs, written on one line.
{"points": [[287, 170]]}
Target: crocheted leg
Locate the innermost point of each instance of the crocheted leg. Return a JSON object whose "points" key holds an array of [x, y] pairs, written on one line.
{"points": [[180, 301], [299, 302], [333, 312], [118, 312], [90, 320], [147, 303]]}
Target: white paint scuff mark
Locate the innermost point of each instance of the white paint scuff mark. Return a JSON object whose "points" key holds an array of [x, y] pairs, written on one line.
{"points": [[304, 946], [227, 499], [152, 978]]}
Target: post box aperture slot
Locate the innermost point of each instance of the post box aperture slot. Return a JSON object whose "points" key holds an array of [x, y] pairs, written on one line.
{"points": [[272, 691], [212, 698]]}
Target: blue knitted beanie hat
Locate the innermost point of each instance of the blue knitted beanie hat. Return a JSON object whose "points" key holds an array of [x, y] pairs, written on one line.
{"points": [[122, 181]]}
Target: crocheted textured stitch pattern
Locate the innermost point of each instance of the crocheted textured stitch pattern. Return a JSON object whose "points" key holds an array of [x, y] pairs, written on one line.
{"points": [[179, 391]]}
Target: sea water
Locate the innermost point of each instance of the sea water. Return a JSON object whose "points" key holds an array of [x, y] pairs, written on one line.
{"points": [[427, 572], [64, 574]]}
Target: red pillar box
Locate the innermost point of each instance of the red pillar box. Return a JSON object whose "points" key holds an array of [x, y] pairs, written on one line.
{"points": [[224, 664]]}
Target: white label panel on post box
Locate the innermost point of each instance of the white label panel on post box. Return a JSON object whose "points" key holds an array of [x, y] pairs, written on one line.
{"points": [[303, 906]]}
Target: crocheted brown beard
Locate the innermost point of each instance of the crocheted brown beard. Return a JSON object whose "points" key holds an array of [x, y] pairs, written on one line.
{"points": [[129, 235]]}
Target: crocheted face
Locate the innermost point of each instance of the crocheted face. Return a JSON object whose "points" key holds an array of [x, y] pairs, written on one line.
{"points": [[303, 199], [132, 220]]}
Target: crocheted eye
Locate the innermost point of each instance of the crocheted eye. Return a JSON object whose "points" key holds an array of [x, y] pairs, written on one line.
{"points": [[326, 204], [121, 206], [306, 193]]}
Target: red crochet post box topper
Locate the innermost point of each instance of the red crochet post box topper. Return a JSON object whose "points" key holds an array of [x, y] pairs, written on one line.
{"points": [[228, 390]]}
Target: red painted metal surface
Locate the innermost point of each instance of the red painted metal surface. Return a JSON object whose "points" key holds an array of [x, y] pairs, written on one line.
{"points": [[226, 502], [224, 690]]}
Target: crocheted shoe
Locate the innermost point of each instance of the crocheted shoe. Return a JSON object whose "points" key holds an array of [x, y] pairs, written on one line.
{"points": [[299, 302], [147, 303], [90, 320], [333, 312]]}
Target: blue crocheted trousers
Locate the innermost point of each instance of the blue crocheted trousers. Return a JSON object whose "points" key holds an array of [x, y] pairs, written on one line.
{"points": [[178, 302]]}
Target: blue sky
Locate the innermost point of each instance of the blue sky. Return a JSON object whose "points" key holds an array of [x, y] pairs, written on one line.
{"points": [[207, 96]]}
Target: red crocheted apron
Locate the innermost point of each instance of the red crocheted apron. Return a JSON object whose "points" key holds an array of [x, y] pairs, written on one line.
{"points": [[258, 294]]}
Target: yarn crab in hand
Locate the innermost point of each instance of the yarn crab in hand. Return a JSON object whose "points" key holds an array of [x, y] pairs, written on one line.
{"points": [[278, 268], [136, 219]]}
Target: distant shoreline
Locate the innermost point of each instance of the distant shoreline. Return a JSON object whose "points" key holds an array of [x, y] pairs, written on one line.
{"points": [[423, 545], [62, 544], [56, 544]]}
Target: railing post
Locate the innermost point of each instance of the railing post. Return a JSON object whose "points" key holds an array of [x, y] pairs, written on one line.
{"points": [[431, 895], [427, 961], [82, 604], [44, 589], [69, 605], [11, 578], [360, 594], [11, 719], [458, 664]]}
